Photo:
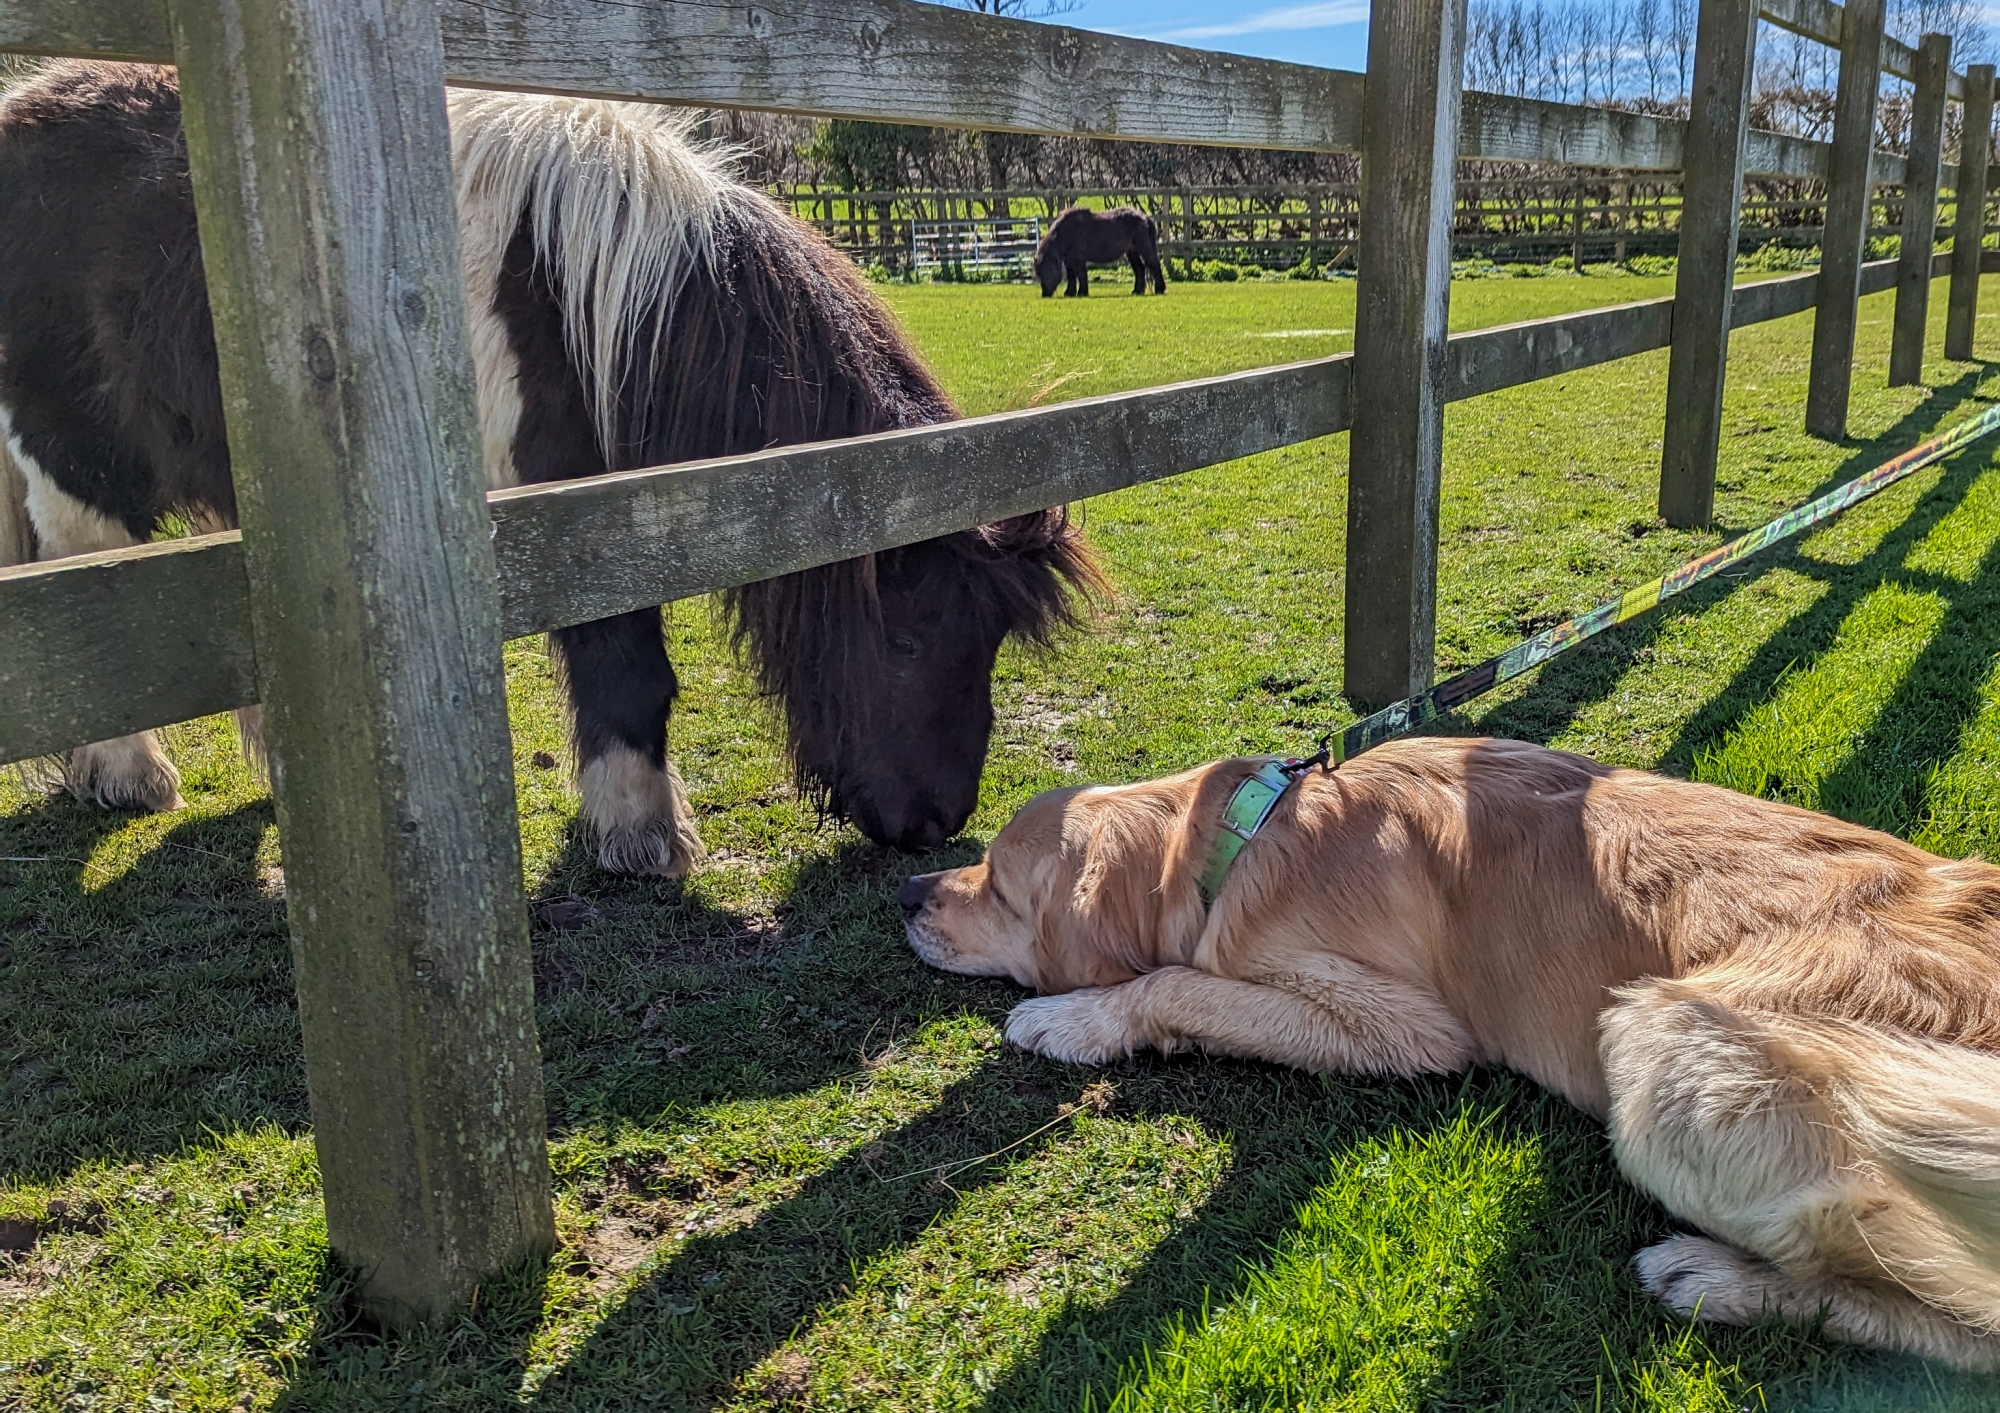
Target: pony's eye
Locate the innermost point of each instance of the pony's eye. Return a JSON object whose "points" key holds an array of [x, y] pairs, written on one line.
{"points": [[904, 644]]}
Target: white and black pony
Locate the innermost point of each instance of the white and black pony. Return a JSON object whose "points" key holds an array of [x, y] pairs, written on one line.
{"points": [[630, 304]]}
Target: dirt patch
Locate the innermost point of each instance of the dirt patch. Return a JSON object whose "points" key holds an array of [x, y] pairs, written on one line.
{"points": [[788, 1379]]}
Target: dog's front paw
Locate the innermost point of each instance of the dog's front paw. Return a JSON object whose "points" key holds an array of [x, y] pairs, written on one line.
{"points": [[1699, 1278], [1079, 1028]]}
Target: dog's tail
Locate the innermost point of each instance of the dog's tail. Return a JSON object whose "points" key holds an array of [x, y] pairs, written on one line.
{"points": [[17, 532], [1926, 1116]]}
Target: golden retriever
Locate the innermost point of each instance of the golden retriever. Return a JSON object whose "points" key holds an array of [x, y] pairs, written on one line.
{"points": [[1790, 1023]]}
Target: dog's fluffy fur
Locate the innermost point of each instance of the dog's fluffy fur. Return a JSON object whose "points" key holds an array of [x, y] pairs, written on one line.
{"points": [[1791, 1024]]}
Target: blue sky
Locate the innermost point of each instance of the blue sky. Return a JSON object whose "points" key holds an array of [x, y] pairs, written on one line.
{"points": [[1333, 33]]}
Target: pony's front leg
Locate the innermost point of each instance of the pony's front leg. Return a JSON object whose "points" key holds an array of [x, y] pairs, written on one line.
{"points": [[127, 772], [1138, 271], [621, 689]]}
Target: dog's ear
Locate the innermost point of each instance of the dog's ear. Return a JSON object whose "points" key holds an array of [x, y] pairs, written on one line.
{"points": [[1101, 924]]}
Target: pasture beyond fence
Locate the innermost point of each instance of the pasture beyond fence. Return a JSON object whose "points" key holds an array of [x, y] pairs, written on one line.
{"points": [[1594, 218], [364, 603]]}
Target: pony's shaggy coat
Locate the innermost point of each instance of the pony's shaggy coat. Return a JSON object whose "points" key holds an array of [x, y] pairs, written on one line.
{"points": [[629, 304], [1790, 1023]]}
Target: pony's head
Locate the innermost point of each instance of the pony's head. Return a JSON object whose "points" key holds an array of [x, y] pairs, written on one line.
{"points": [[1048, 266], [883, 665]]}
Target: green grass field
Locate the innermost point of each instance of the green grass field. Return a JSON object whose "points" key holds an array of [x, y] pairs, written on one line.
{"points": [[796, 1169]]}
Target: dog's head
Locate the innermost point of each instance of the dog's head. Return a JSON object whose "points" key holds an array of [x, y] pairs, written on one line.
{"points": [[1084, 887]]}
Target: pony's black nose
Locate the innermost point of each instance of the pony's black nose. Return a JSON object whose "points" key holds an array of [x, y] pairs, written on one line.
{"points": [[916, 893]]}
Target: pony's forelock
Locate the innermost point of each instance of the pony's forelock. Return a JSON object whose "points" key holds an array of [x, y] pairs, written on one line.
{"points": [[625, 206]]}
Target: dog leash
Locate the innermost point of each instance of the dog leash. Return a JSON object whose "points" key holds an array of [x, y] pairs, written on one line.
{"points": [[1253, 801]]}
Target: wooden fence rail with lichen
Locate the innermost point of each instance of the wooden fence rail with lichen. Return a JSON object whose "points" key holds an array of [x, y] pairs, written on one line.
{"points": [[317, 129]]}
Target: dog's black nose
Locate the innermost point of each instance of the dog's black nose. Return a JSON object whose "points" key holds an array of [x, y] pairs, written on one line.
{"points": [[916, 893]]}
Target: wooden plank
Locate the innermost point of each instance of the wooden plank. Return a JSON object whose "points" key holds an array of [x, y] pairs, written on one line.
{"points": [[174, 617], [901, 61], [1402, 298], [92, 29], [1920, 200], [1780, 298], [568, 552], [1705, 275], [857, 496], [884, 60], [321, 160], [1969, 227], [1499, 128], [1508, 355], [1842, 247], [581, 550]]}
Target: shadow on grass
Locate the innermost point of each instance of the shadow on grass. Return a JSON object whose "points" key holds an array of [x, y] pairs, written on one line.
{"points": [[657, 1002], [1809, 634], [1884, 779], [1591, 674], [693, 1329], [1566, 1243], [144, 1005]]}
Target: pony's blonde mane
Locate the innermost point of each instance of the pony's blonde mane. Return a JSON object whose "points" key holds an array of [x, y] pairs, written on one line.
{"points": [[623, 205]]}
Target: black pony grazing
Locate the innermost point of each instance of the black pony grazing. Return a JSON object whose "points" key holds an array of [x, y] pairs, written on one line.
{"points": [[1081, 238], [630, 304]]}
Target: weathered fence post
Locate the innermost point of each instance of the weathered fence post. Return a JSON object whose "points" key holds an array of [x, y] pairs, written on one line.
{"points": [[1705, 278], [1920, 197], [1975, 153], [1844, 243], [1410, 120], [317, 136]]}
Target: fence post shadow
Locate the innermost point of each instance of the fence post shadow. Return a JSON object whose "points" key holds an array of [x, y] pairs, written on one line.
{"points": [[741, 1292], [147, 976], [1566, 688], [1090, 1351]]}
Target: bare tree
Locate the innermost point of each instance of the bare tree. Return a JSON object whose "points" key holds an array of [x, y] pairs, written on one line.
{"points": [[1650, 39], [1018, 9], [1963, 20], [1680, 32]]}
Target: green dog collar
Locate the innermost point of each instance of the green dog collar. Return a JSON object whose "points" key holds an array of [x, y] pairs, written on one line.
{"points": [[1243, 816]]}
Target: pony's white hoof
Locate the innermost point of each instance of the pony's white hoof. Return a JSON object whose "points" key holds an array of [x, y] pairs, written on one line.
{"points": [[1702, 1279], [662, 849], [129, 773], [639, 814], [1078, 1028]]}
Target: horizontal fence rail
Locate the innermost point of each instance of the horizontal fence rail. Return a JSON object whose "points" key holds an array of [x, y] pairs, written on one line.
{"points": [[106, 644], [905, 62], [1821, 20]]}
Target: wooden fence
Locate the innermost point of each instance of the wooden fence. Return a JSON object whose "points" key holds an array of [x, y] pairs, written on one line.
{"points": [[1594, 217], [365, 601]]}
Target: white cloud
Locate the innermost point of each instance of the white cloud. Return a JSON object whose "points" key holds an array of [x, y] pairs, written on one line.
{"points": [[1321, 16]]}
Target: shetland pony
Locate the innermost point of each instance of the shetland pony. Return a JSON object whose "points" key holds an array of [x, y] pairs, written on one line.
{"points": [[1081, 238], [630, 304]]}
